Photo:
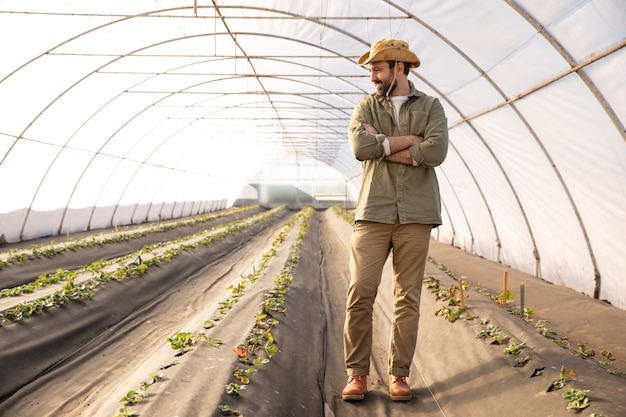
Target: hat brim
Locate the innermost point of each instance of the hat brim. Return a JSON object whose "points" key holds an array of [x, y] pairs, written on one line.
{"points": [[390, 55]]}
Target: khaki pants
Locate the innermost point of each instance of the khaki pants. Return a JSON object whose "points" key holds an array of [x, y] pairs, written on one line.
{"points": [[370, 245]]}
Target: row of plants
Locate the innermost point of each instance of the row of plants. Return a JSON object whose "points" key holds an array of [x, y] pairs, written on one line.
{"points": [[237, 290], [118, 269], [259, 346], [344, 214], [53, 248], [541, 326], [183, 342], [577, 400]]}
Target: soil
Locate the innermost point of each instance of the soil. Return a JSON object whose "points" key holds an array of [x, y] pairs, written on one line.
{"points": [[81, 359]]}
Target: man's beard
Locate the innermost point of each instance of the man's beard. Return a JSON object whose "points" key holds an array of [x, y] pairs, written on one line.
{"points": [[382, 88]]}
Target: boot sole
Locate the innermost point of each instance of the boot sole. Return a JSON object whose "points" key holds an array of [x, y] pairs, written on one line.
{"points": [[357, 397], [400, 397]]}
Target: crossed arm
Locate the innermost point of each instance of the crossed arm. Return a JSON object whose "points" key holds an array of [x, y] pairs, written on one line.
{"points": [[398, 146]]}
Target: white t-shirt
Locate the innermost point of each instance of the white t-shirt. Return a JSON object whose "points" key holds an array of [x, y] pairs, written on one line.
{"points": [[396, 101]]}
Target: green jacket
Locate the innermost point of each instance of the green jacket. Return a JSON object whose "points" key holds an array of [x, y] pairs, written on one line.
{"points": [[391, 191]]}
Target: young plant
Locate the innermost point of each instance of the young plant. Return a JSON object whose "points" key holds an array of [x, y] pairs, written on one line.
{"points": [[242, 375], [577, 399], [493, 334], [563, 342], [183, 341], [452, 315], [123, 412], [260, 361], [215, 342], [612, 369], [226, 410], [243, 353], [233, 389], [502, 299], [432, 284], [583, 352], [521, 362], [543, 330], [565, 376], [528, 313], [133, 397], [169, 365], [152, 379], [514, 348]]}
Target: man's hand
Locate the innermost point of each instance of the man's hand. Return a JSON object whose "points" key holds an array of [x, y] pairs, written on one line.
{"points": [[397, 144], [402, 157], [402, 142], [370, 129]]}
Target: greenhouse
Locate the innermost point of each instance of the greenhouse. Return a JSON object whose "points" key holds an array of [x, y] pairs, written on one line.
{"points": [[181, 183]]}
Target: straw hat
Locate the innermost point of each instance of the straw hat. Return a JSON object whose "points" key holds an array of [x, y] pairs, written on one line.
{"points": [[390, 50]]}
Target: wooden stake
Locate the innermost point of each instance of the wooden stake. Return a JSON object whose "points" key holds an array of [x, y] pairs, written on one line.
{"points": [[461, 292], [504, 286]]}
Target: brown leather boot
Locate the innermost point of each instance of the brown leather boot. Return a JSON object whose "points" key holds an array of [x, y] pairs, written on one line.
{"points": [[399, 390], [356, 388]]}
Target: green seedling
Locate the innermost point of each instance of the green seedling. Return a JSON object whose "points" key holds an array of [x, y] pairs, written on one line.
{"points": [[510, 295], [521, 362], [431, 283], [133, 397], [608, 366], [270, 350], [514, 348], [608, 355], [183, 341], [493, 334], [565, 375], [226, 410], [123, 412], [543, 330], [538, 372], [152, 379], [260, 361], [583, 352], [215, 342], [238, 289], [612, 369], [169, 365], [233, 389], [453, 315], [242, 375], [563, 342], [577, 399]]}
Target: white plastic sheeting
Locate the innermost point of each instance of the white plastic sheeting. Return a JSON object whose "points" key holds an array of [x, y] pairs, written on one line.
{"points": [[119, 112]]}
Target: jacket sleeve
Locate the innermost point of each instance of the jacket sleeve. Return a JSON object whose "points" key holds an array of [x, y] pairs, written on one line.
{"points": [[364, 145], [433, 150]]}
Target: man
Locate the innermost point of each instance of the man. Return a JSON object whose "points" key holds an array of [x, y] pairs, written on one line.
{"points": [[400, 134]]}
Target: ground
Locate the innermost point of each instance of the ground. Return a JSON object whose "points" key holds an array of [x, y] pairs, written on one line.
{"points": [[82, 358]]}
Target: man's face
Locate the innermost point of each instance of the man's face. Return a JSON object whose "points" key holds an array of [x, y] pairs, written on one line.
{"points": [[382, 77]]}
